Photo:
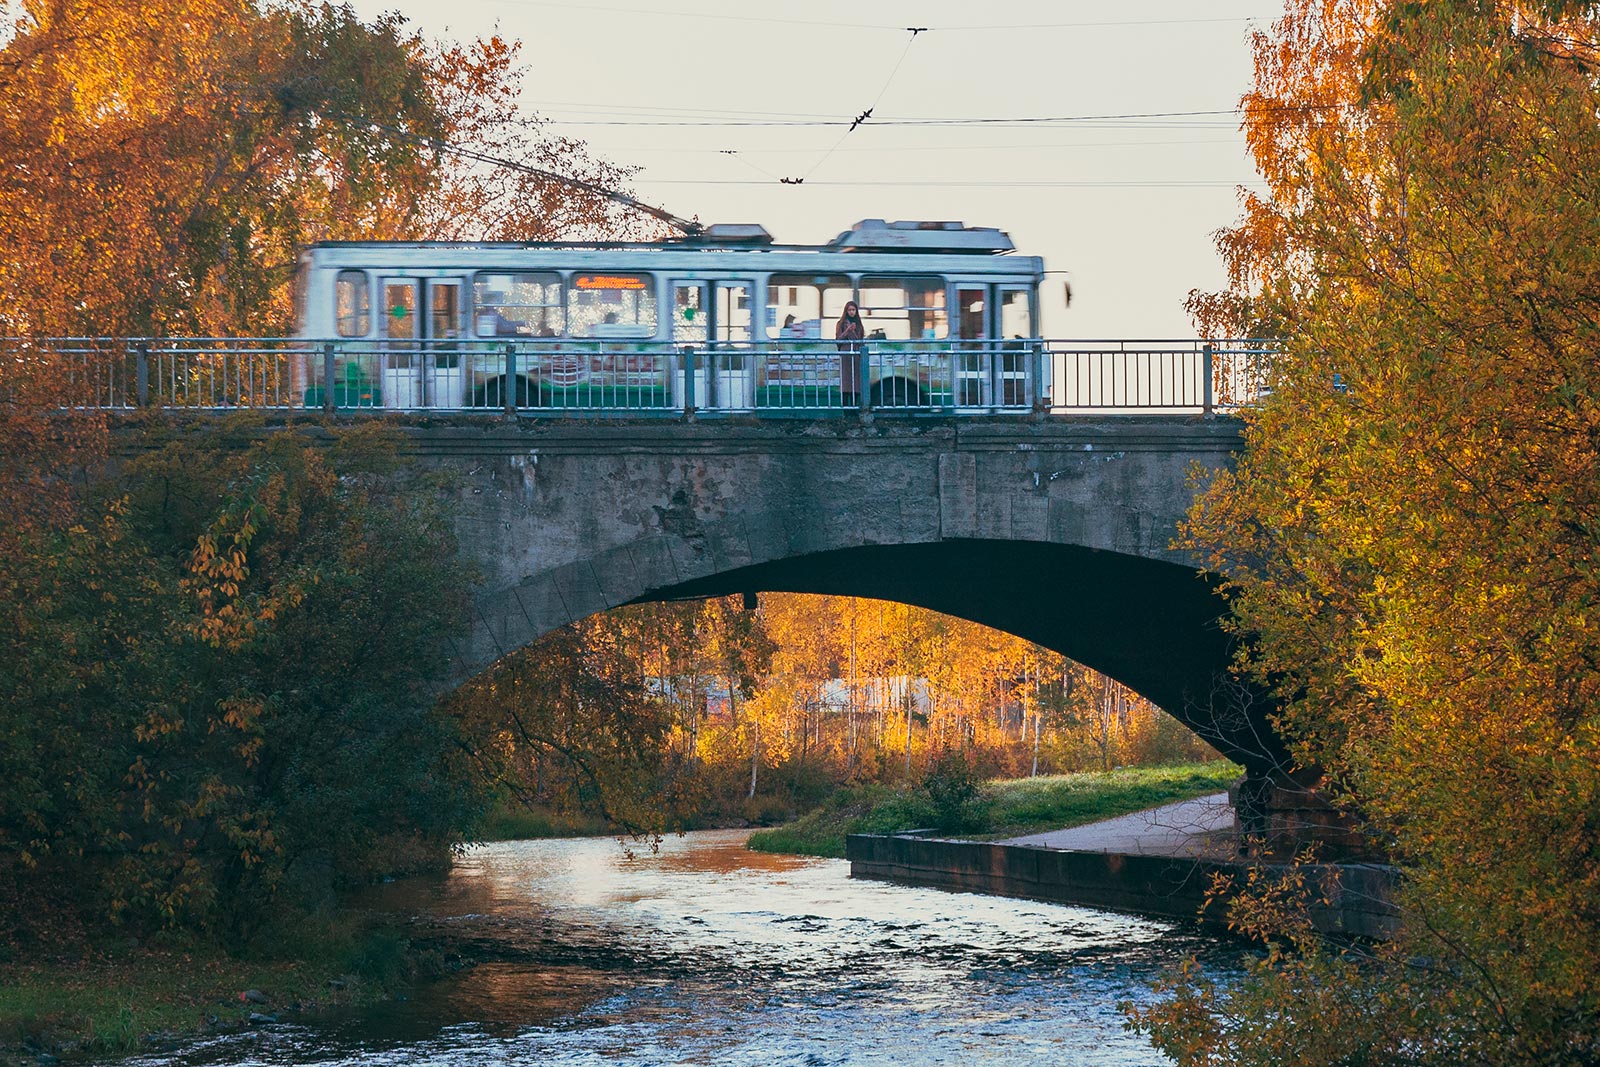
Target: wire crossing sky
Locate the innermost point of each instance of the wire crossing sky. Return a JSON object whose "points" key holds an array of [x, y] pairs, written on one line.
{"points": [[1110, 146]]}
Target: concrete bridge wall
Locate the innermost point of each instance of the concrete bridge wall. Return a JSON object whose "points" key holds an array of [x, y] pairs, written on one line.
{"points": [[1059, 531]]}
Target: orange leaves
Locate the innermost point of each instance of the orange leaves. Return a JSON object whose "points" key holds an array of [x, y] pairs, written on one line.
{"points": [[166, 160], [215, 578]]}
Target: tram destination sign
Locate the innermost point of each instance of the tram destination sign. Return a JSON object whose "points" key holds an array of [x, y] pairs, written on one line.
{"points": [[610, 281]]}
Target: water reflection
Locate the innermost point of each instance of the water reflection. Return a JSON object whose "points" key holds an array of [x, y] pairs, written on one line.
{"points": [[708, 954]]}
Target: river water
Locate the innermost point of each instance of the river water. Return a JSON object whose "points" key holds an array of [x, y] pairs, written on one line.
{"points": [[706, 953]]}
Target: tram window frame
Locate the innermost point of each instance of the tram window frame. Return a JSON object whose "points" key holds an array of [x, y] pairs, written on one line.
{"points": [[352, 319], [884, 316], [645, 298], [1010, 308], [828, 294], [538, 323]]}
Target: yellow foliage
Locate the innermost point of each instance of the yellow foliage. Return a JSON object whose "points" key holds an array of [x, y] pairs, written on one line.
{"points": [[1411, 535]]}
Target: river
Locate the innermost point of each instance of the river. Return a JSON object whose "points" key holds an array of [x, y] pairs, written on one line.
{"points": [[706, 953]]}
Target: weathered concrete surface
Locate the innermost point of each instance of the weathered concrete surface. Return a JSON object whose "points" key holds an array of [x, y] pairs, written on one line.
{"points": [[1346, 899], [1059, 531]]}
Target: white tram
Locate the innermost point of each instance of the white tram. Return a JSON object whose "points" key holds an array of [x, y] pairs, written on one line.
{"points": [[726, 320]]}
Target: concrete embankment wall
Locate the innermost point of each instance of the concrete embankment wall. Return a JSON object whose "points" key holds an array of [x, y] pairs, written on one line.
{"points": [[1348, 899]]}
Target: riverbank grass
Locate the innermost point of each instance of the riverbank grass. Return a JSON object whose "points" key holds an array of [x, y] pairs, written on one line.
{"points": [[117, 1000], [1007, 807], [508, 821]]}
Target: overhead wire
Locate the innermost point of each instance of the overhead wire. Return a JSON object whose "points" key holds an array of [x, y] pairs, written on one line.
{"points": [[914, 31], [835, 24], [686, 226], [686, 117], [898, 150], [691, 227], [740, 157], [913, 183], [1147, 119], [725, 112]]}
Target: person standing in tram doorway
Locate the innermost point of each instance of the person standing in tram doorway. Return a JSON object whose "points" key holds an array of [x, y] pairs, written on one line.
{"points": [[849, 334]]}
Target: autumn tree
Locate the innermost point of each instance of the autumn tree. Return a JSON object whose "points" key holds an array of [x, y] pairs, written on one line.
{"points": [[496, 166], [216, 703], [1409, 538], [166, 159], [570, 725]]}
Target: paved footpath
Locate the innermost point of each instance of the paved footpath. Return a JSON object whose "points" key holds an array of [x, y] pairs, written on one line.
{"points": [[1198, 828]]}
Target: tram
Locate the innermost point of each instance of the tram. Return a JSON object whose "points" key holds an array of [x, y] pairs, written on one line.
{"points": [[723, 320]]}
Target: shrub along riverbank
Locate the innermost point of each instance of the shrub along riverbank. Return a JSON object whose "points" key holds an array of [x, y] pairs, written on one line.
{"points": [[951, 800]]}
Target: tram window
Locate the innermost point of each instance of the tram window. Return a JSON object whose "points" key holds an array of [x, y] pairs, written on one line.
{"points": [[518, 305], [1016, 315], [352, 303], [905, 308], [689, 313], [604, 304], [814, 301]]}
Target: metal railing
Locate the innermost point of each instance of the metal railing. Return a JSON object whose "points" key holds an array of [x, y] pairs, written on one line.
{"points": [[1206, 375], [621, 378]]}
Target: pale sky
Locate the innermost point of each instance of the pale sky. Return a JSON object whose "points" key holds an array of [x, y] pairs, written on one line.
{"points": [[693, 92]]}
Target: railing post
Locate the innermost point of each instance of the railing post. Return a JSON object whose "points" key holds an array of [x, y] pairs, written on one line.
{"points": [[509, 393], [141, 373], [864, 379], [1036, 379], [329, 403], [1207, 387], [688, 383], [994, 374], [713, 396]]}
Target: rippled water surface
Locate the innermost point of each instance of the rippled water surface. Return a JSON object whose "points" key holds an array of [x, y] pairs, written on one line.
{"points": [[708, 954]]}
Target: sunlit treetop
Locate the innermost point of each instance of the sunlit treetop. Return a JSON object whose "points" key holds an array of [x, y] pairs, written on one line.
{"points": [[168, 158]]}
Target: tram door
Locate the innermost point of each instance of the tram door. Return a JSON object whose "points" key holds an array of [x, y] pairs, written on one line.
{"points": [[730, 385], [421, 363], [444, 370], [1011, 362], [691, 329], [974, 347]]}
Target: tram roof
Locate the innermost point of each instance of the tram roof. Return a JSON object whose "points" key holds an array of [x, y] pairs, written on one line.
{"points": [[867, 236]]}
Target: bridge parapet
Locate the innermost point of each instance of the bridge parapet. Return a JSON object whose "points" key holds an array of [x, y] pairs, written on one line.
{"points": [[607, 378]]}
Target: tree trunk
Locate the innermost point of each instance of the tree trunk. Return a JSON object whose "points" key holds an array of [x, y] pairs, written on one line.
{"points": [[906, 697], [755, 754]]}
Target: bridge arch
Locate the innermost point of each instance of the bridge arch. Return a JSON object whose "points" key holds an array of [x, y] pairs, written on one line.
{"points": [[1061, 534]]}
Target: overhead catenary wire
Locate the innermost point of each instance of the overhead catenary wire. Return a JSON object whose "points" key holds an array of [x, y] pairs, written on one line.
{"points": [[972, 27], [685, 226], [736, 154], [692, 228], [914, 31], [980, 183], [903, 149], [1213, 117]]}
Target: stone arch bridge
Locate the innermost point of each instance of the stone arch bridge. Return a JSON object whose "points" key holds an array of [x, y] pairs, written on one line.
{"points": [[1057, 531]]}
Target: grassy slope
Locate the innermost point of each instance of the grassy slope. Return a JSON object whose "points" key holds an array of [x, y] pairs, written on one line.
{"points": [[1011, 807]]}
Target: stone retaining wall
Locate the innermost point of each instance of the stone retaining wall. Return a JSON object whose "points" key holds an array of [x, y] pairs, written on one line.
{"points": [[1358, 896]]}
